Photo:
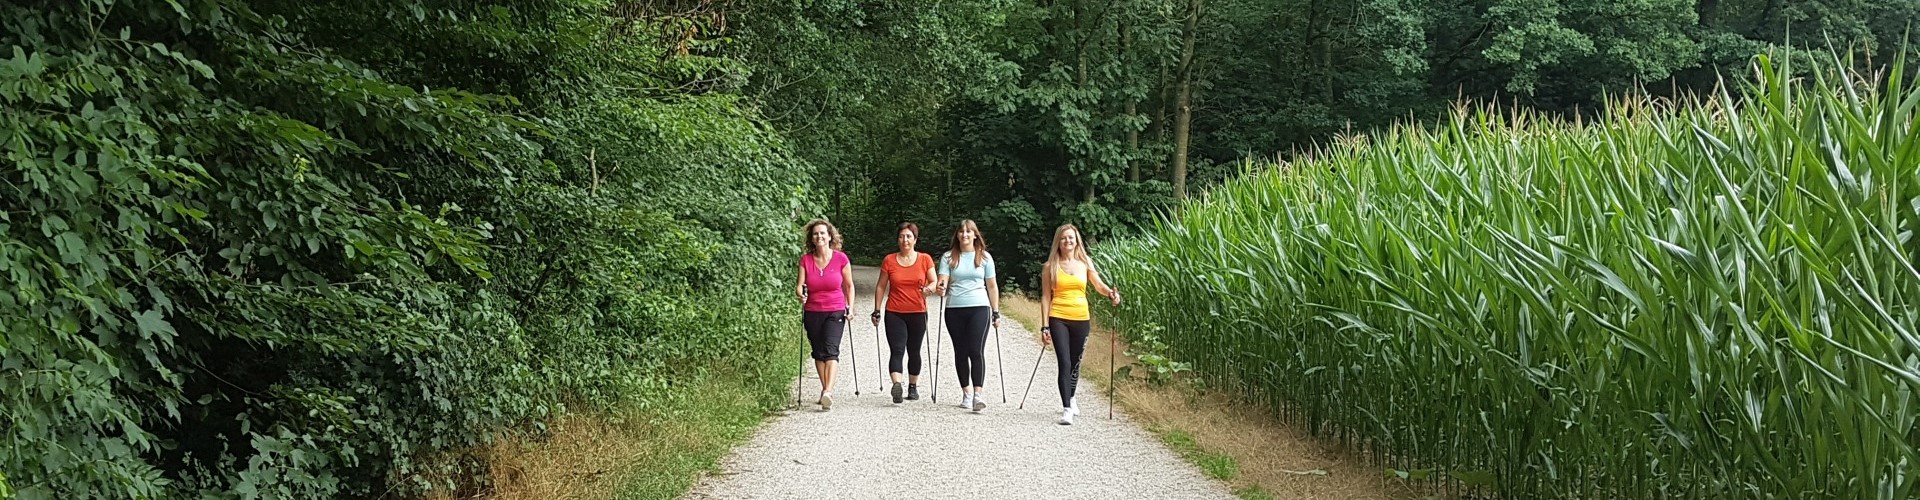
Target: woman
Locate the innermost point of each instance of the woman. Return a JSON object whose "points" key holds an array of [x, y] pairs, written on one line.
{"points": [[825, 288], [905, 279], [1063, 296], [972, 304]]}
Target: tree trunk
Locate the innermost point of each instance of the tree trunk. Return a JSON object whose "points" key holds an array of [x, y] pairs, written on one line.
{"points": [[1326, 71], [1133, 142], [1133, 108], [1707, 11], [1183, 118], [838, 188], [1080, 43], [1080, 78], [1766, 22], [1160, 106]]}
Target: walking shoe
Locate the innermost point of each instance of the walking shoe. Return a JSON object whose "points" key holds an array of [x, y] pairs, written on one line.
{"points": [[1073, 404], [966, 400], [978, 404], [896, 393], [826, 402], [1066, 416], [913, 392]]}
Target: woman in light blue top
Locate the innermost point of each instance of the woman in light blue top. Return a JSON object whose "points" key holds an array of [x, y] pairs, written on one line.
{"points": [[972, 304]]}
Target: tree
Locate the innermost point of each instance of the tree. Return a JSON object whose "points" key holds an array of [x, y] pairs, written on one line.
{"points": [[1183, 99]]}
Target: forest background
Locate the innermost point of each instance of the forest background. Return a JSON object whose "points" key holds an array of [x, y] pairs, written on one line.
{"points": [[312, 249]]}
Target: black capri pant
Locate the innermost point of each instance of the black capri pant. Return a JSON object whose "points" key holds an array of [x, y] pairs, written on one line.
{"points": [[824, 329], [905, 333]]}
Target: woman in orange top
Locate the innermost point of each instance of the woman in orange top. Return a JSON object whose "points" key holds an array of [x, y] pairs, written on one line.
{"points": [[1063, 296], [905, 279]]}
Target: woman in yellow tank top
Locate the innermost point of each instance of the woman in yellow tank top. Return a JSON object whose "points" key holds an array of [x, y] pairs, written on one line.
{"points": [[1063, 296]]}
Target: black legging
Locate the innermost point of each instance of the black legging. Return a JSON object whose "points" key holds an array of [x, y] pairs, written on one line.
{"points": [[824, 329], [968, 328], [1069, 344], [905, 333]]}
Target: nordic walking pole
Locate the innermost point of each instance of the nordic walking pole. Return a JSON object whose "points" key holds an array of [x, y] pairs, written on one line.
{"points": [[845, 327], [878, 358], [1113, 350], [1000, 356], [936, 345], [1036, 371], [798, 390]]}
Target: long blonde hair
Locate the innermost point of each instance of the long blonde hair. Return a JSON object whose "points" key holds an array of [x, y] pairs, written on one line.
{"points": [[979, 245], [1079, 252]]}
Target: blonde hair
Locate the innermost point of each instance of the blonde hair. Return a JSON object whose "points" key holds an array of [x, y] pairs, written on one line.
{"points": [[1079, 252], [806, 236], [979, 245]]}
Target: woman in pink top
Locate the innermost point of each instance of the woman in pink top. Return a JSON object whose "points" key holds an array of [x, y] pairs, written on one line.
{"points": [[825, 287]]}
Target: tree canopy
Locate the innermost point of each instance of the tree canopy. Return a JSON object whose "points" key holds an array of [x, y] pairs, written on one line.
{"points": [[1027, 114]]}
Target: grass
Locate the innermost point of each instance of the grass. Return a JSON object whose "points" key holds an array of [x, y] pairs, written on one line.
{"points": [[1215, 465], [1243, 445], [681, 450], [1705, 297], [657, 451], [1253, 493], [640, 455], [1024, 310]]}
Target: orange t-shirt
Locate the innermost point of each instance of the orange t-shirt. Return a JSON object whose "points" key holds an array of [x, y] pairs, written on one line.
{"points": [[904, 282]]}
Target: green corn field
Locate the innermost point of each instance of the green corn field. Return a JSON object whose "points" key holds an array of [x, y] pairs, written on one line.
{"points": [[1711, 297]]}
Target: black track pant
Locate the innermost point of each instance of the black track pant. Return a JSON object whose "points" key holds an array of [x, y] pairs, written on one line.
{"points": [[905, 333], [824, 329], [1069, 344], [968, 328]]}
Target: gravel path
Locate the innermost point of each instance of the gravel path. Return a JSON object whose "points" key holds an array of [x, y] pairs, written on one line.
{"points": [[867, 447]]}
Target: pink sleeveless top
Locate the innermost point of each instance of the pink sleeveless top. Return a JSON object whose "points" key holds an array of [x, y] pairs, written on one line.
{"points": [[823, 285]]}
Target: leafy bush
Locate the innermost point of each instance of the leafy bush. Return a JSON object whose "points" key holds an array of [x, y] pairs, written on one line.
{"points": [[245, 252], [1147, 346]]}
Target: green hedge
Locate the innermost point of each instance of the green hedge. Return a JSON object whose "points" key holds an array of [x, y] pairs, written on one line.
{"points": [[1704, 299], [300, 249]]}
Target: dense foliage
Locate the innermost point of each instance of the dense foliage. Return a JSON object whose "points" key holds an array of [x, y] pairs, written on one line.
{"points": [[1026, 114], [268, 248], [322, 249], [1712, 301]]}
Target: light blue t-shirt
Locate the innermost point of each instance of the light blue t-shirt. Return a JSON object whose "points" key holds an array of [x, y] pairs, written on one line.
{"points": [[967, 286]]}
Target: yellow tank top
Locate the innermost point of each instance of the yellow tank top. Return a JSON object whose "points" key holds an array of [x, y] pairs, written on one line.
{"points": [[1069, 297]]}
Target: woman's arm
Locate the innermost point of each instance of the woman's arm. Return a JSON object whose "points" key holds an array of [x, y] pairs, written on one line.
{"points": [[993, 297], [1046, 302], [1093, 276], [932, 279], [846, 284], [993, 291], [800, 290], [880, 290], [944, 276]]}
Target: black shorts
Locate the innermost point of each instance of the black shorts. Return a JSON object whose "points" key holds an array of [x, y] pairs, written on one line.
{"points": [[824, 329]]}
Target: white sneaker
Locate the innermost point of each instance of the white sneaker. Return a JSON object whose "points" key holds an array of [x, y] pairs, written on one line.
{"points": [[1066, 416], [979, 403], [1073, 405], [966, 401], [826, 402]]}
